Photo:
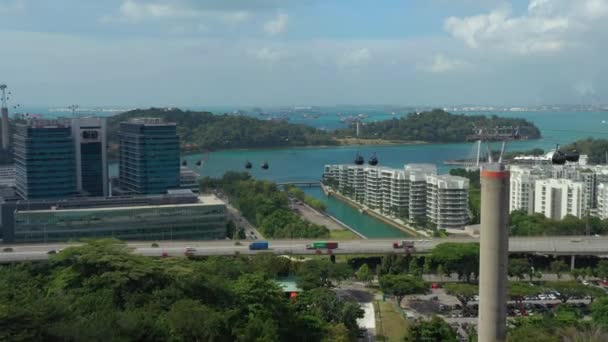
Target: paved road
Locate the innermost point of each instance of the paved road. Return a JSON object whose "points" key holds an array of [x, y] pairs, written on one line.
{"points": [[541, 245]]}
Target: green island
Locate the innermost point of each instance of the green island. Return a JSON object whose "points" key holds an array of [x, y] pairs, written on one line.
{"points": [[436, 126], [207, 131], [264, 205]]}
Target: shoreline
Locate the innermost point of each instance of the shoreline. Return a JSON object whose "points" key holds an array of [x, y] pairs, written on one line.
{"points": [[411, 231]]}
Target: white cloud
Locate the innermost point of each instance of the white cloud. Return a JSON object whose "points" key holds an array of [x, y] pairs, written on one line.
{"points": [[443, 64], [268, 55], [355, 58], [139, 10], [277, 25], [548, 26], [11, 6]]}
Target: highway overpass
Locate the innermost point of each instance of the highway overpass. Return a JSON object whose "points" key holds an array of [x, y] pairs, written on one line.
{"points": [[569, 246]]}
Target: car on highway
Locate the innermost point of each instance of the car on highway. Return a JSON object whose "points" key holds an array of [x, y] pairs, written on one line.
{"points": [[164, 254], [7, 249], [52, 251]]}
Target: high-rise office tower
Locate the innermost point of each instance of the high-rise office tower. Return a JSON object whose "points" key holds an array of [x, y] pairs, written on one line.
{"points": [[44, 160], [149, 156], [90, 147]]}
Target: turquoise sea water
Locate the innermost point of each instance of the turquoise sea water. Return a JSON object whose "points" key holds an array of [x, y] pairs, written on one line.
{"points": [[301, 164]]}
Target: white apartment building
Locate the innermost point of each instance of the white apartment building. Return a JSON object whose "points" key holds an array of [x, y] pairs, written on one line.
{"points": [[602, 201], [522, 187], [556, 198], [396, 192], [447, 201]]}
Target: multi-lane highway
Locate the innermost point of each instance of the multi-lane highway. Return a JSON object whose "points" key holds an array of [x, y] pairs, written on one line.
{"points": [[572, 245]]}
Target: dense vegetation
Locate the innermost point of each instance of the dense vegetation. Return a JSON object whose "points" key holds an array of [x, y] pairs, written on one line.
{"points": [[594, 148], [523, 224], [264, 205], [204, 130], [436, 126], [300, 195], [207, 131], [102, 292]]}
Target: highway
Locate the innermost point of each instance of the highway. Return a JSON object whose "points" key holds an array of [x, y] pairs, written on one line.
{"points": [[571, 245]]}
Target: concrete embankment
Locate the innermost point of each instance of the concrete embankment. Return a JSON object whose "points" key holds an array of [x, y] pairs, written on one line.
{"points": [[329, 192], [316, 217]]}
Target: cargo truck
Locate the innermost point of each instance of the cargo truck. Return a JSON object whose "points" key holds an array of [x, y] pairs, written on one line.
{"points": [[407, 245], [258, 245], [322, 245]]}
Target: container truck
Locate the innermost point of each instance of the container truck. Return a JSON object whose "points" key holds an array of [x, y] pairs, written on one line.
{"points": [[258, 245], [322, 245]]}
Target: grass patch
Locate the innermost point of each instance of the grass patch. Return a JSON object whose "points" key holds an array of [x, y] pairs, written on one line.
{"points": [[390, 324], [343, 235]]}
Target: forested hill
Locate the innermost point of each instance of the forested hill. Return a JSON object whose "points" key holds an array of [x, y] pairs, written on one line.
{"points": [[437, 126], [596, 149], [208, 131]]}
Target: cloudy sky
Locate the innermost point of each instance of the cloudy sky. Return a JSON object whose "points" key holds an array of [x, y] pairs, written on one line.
{"points": [[304, 52]]}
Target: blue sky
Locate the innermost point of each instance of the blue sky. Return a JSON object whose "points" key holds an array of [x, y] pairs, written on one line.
{"points": [[301, 52]]}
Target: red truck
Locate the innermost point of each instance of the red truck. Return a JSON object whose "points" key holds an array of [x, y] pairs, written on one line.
{"points": [[407, 245]]}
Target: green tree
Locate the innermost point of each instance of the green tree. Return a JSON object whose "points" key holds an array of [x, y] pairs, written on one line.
{"points": [[464, 292], [519, 268], [194, 322], [602, 269], [401, 285], [599, 312], [461, 258], [558, 267], [433, 330], [364, 274]]}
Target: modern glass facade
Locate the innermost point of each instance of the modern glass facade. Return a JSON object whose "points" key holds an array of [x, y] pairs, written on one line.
{"points": [[90, 144], [149, 156], [205, 219], [44, 161], [91, 168]]}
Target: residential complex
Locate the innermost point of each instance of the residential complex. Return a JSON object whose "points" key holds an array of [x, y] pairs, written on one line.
{"points": [[177, 215], [414, 192], [559, 190], [149, 156]]}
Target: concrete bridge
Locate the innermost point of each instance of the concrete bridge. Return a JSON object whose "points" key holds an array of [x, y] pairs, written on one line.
{"points": [[564, 246]]}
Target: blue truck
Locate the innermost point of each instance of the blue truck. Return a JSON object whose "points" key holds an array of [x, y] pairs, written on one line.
{"points": [[258, 245]]}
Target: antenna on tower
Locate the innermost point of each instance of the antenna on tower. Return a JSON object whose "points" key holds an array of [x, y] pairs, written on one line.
{"points": [[73, 109]]}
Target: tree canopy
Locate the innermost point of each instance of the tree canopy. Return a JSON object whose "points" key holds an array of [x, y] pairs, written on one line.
{"points": [[461, 258], [436, 126], [265, 206], [102, 292], [205, 130]]}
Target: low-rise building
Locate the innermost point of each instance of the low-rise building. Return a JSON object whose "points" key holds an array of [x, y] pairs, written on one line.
{"points": [[180, 214]]}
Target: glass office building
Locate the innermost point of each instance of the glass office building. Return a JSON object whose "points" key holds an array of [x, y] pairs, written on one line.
{"points": [[90, 144], [165, 217], [44, 160], [149, 156]]}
